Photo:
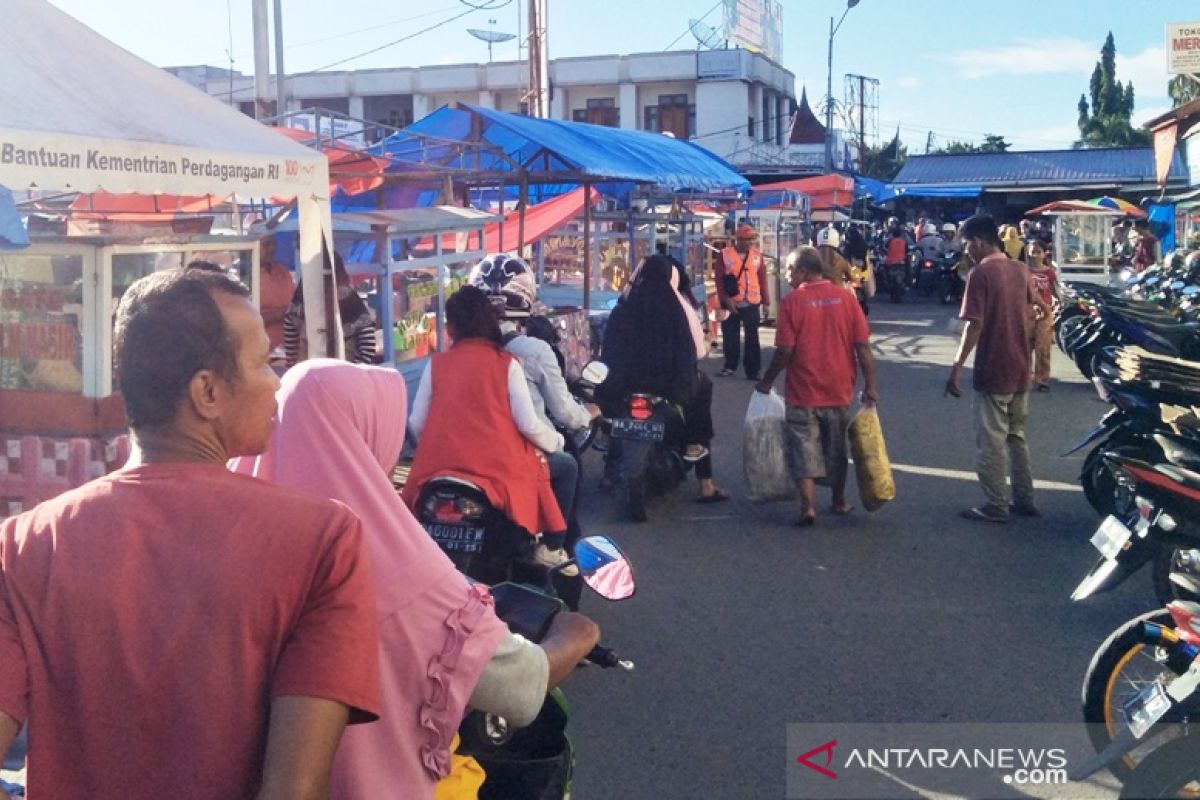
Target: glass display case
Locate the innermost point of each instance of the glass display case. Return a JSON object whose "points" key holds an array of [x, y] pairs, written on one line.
{"points": [[1083, 245]]}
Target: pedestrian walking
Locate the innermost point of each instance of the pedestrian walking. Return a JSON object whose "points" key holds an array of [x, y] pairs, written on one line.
{"points": [[996, 306], [741, 275], [822, 341], [1045, 283]]}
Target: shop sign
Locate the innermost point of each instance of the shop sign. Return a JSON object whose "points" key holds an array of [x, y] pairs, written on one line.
{"points": [[1183, 48]]}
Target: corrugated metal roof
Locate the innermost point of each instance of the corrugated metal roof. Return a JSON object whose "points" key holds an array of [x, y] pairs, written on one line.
{"points": [[1038, 168]]}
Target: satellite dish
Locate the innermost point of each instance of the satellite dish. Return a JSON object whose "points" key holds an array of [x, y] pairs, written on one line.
{"points": [[490, 36], [707, 36]]}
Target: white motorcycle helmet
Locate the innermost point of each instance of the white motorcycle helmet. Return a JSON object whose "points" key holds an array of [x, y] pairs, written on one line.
{"points": [[930, 229], [509, 283], [829, 237]]}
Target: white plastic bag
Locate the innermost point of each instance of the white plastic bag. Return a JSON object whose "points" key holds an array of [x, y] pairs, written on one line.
{"points": [[764, 450]]}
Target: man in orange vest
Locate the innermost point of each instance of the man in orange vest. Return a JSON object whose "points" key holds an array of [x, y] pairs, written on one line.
{"points": [[741, 276]]}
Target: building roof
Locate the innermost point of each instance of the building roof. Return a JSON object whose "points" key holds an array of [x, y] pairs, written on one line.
{"points": [[1185, 113], [1119, 165], [805, 127]]}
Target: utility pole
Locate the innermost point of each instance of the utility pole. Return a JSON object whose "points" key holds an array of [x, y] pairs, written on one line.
{"points": [[280, 75], [929, 143], [538, 97], [262, 59]]}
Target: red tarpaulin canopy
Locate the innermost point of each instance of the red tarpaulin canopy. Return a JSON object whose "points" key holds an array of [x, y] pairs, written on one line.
{"points": [[140, 207], [353, 171], [826, 191], [540, 220]]}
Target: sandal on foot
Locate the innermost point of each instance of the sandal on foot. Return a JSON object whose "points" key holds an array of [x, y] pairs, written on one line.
{"points": [[843, 510], [718, 496], [725, 373], [984, 514], [807, 521], [692, 456]]}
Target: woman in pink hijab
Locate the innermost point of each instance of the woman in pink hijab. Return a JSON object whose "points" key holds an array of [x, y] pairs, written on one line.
{"points": [[339, 433]]}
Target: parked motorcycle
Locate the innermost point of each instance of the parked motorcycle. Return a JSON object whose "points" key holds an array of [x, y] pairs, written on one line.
{"points": [[950, 284], [537, 761]]}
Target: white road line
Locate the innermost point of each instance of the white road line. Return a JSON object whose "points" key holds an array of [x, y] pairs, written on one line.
{"points": [[963, 475]]}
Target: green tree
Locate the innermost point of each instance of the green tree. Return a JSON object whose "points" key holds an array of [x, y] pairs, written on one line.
{"points": [[885, 161], [1183, 89], [1105, 122], [992, 143]]}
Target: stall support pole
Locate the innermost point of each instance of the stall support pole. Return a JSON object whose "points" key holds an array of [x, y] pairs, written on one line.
{"points": [[522, 201], [441, 293], [320, 314], [587, 248], [500, 245], [387, 321], [778, 266]]}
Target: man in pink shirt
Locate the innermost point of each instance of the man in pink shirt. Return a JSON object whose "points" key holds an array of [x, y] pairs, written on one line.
{"points": [[822, 340], [174, 630]]}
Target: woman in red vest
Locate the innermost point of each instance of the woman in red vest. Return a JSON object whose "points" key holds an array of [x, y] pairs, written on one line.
{"points": [[475, 421]]}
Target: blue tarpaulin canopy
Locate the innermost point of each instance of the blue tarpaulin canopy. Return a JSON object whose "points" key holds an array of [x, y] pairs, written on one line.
{"points": [[562, 151], [895, 191], [13, 235]]}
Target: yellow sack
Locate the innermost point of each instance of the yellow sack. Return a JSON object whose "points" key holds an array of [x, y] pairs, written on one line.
{"points": [[464, 780], [871, 465]]}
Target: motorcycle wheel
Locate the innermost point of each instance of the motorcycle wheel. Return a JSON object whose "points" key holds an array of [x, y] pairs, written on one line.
{"points": [[1119, 669], [1100, 487], [1172, 770], [635, 488]]}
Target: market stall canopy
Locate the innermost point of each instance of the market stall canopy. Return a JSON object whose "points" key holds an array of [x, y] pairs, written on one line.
{"points": [[826, 191], [1117, 204], [540, 220], [945, 192], [350, 170], [566, 151], [77, 112], [152, 206]]}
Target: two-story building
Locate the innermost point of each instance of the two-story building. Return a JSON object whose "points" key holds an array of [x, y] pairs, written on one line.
{"points": [[736, 103]]}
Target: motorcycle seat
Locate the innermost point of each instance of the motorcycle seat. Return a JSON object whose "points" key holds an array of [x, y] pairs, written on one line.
{"points": [[453, 481]]}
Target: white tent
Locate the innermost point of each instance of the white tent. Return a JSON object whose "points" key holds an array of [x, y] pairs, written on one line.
{"points": [[78, 113]]}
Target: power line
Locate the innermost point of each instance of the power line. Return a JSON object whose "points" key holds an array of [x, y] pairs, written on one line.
{"points": [[371, 28], [472, 8], [689, 29]]}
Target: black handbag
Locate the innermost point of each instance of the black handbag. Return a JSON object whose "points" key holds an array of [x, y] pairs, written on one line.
{"points": [[730, 284]]}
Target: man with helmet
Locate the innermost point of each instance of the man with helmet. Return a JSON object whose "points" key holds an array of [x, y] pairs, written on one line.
{"points": [[511, 285], [742, 289], [932, 246]]}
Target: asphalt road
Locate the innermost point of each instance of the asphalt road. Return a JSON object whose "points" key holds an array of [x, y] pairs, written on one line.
{"points": [[743, 623]]}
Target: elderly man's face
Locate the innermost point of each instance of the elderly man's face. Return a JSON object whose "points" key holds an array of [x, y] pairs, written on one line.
{"points": [[247, 417]]}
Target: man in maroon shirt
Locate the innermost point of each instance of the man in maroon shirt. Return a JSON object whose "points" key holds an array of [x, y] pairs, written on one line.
{"points": [[821, 339], [996, 306]]}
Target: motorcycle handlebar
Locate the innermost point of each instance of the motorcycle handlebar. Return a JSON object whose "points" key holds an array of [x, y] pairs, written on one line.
{"points": [[606, 657]]}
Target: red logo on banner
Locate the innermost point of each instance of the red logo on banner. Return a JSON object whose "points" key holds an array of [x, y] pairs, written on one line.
{"points": [[827, 749]]}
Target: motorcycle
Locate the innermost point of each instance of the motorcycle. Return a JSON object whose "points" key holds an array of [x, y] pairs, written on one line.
{"points": [[648, 444], [950, 284], [537, 761]]}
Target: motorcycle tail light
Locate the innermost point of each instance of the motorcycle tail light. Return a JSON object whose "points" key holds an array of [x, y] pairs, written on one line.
{"points": [[927, 265], [1145, 508], [447, 511], [640, 408]]}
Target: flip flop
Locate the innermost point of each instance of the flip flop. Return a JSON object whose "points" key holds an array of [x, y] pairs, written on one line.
{"points": [[725, 373], [807, 521], [699, 455], [842, 510], [718, 496]]}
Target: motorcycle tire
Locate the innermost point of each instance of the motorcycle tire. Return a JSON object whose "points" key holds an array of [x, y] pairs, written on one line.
{"points": [[1172, 770], [1100, 487], [635, 489], [1108, 667]]}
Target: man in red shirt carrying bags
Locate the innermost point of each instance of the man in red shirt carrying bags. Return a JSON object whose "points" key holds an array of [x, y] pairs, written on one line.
{"points": [[822, 340]]}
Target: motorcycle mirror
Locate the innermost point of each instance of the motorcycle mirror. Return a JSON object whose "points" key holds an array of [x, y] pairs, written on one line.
{"points": [[604, 568], [1190, 290], [595, 372], [1177, 285]]}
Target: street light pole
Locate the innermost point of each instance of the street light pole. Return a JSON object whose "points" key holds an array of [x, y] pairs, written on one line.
{"points": [[833, 29]]}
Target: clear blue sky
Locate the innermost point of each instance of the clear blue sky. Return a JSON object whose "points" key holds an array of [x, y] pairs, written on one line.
{"points": [[961, 68]]}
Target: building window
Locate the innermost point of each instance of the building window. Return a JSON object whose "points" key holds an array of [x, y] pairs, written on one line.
{"points": [[768, 117], [602, 111], [673, 115], [750, 127]]}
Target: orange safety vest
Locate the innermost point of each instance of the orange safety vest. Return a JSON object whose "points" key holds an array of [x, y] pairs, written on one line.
{"points": [[746, 274]]}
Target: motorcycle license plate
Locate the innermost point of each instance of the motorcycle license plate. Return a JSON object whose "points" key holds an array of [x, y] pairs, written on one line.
{"points": [[643, 430], [1146, 708], [1110, 538], [456, 538]]}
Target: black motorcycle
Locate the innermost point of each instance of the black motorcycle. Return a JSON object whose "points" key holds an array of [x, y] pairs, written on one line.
{"points": [[647, 444], [537, 762]]}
